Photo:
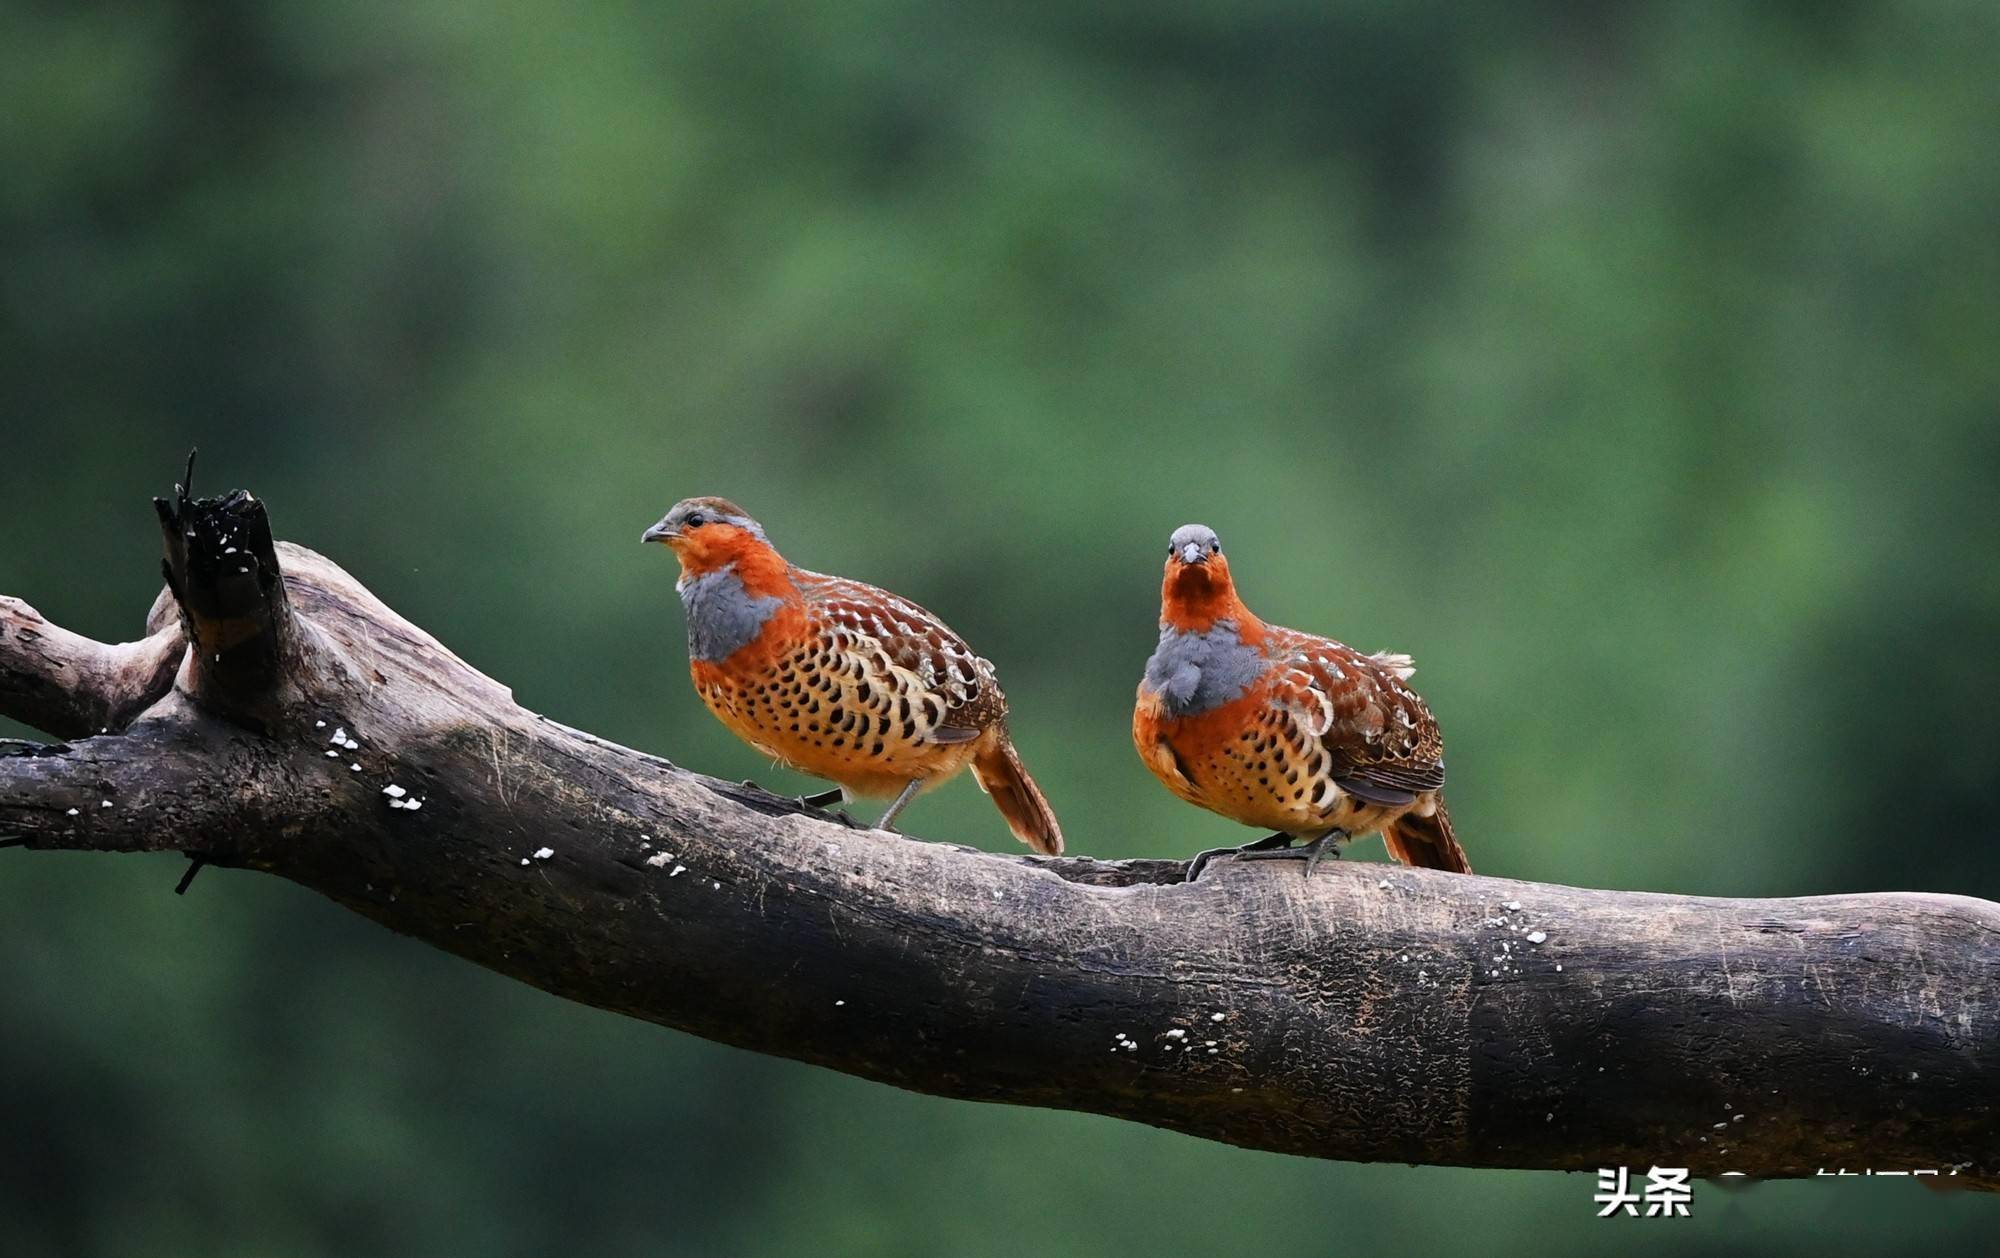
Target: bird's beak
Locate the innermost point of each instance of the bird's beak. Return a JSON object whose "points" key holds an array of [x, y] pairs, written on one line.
{"points": [[1192, 553], [660, 532]]}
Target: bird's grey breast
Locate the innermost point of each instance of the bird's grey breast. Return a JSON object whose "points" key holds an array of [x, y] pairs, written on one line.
{"points": [[722, 616], [1194, 672]]}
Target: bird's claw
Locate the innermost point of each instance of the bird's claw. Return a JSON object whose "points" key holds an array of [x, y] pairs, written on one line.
{"points": [[818, 801], [1201, 859], [1312, 853], [1200, 862]]}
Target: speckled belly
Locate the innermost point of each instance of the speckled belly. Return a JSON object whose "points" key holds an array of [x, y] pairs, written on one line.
{"points": [[1252, 762], [833, 717]]}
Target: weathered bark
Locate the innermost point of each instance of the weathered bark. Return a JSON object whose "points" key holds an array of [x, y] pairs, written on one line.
{"points": [[1371, 1013], [69, 685]]}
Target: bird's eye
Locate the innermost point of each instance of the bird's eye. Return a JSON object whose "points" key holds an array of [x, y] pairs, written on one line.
{"points": [[694, 520], [1215, 548]]}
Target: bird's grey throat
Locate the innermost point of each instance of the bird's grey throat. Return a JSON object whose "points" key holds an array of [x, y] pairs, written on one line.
{"points": [[722, 616]]}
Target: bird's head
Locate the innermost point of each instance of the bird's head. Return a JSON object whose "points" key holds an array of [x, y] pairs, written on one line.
{"points": [[708, 533], [1197, 590]]}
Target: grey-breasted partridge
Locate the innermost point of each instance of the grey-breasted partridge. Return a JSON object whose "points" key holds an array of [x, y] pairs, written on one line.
{"points": [[840, 679], [1286, 730]]}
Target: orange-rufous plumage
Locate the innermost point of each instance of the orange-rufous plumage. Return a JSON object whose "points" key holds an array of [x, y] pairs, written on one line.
{"points": [[1286, 730], [839, 679]]}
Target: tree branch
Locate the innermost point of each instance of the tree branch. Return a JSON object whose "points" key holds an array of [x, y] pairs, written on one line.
{"points": [[1374, 1013], [72, 686]]}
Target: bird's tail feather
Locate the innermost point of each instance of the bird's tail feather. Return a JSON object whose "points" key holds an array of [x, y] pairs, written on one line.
{"points": [[1001, 774], [1426, 842]]}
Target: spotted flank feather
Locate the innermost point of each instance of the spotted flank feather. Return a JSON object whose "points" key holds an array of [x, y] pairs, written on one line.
{"points": [[1382, 742], [902, 656], [860, 686]]}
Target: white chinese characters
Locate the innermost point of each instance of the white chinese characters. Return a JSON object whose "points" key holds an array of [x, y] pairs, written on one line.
{"points": [[1665, 1194]]}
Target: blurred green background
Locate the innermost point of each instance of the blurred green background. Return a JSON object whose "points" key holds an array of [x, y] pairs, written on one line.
{"points": [[1632, 366]]}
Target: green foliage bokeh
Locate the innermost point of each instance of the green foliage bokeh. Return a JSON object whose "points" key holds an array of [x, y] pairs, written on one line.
{"points": [[1632, 366]]}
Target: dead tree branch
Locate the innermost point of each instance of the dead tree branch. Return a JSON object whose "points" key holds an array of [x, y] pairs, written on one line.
{"points": [[1373, 1013]]}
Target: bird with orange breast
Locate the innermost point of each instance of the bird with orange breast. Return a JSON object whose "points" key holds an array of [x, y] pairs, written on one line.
{"points": [[1286, 730], [839, 679]]}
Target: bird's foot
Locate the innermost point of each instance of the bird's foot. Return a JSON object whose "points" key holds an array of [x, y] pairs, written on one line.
{"points": [[1325, 845], [818, 800], [1201, 859]]}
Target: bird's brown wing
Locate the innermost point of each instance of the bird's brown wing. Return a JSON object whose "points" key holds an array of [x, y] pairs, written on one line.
{"points": [[1384, 744], [939, 686]]}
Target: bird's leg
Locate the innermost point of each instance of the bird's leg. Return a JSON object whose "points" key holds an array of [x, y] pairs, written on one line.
{"points": [[888, 821], [1201, 859], [1312, 852]]}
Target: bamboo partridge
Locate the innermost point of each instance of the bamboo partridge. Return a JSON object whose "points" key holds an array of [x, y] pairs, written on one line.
{"points": [[839, 679], [1286, 730]]}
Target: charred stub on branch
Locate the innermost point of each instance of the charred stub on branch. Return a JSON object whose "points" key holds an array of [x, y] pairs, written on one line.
{"points": [[222, 569]]}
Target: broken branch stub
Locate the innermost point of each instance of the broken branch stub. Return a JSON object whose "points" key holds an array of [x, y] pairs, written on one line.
{"points": [[221, 566]]}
